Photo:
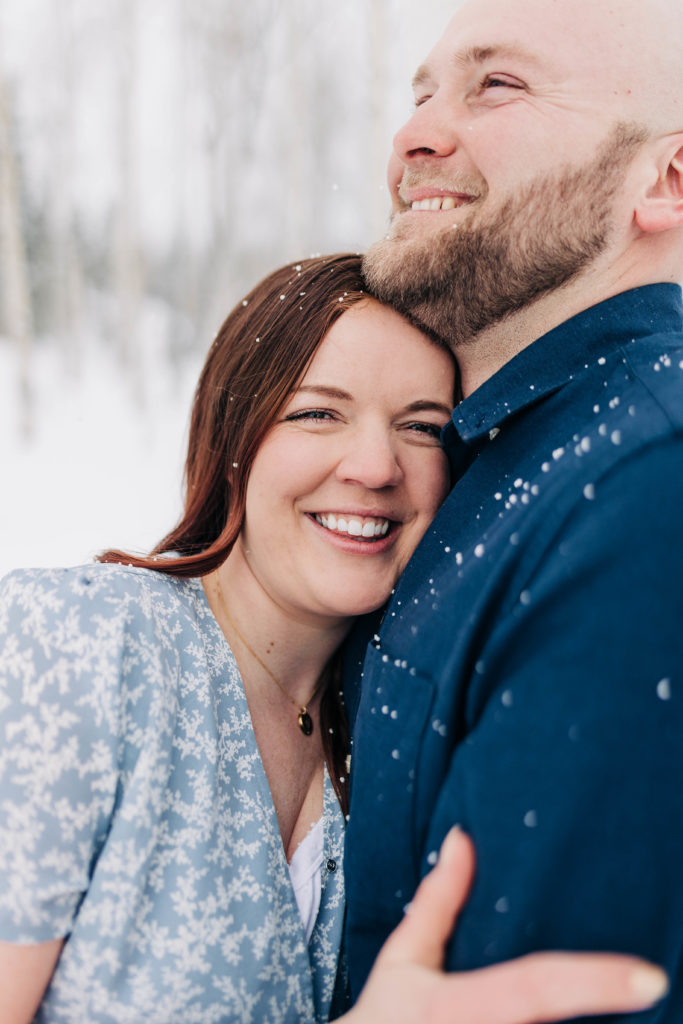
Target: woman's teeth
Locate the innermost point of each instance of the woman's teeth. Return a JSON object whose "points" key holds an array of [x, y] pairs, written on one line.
{"points": [[353, 526]]}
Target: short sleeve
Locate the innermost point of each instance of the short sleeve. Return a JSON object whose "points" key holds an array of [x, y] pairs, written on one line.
{"points": [[59, 667]]}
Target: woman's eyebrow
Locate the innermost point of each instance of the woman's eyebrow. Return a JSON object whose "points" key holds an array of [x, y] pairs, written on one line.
{"points": [[425, 405], [419, 405], [323, 389]]}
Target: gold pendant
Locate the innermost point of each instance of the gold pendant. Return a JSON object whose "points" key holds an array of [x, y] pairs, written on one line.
{"points": [[305, 722]]}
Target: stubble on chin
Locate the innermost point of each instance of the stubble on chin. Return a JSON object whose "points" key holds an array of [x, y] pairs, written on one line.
{"points": [[422, 278], [457, 281]]}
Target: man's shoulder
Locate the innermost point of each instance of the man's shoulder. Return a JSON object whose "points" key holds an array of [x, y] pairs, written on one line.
{"points": [[657, 363]]}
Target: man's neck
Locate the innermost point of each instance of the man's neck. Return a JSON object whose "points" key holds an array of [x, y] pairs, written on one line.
{"points": [[483, 355], [641, 263]]}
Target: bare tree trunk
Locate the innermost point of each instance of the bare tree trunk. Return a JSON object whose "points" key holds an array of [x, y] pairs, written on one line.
{"points": [[15, 291], [297, 145], [380, 35], [232, 45], [65, 275], [126, 259]]}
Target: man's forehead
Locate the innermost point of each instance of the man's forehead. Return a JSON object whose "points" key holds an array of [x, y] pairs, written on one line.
{"points": [[624, 47], [526, 28], [615, 25]]}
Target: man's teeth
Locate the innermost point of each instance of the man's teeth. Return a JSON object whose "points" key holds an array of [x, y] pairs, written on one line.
{"points": [[353, 526], [435, 203]]}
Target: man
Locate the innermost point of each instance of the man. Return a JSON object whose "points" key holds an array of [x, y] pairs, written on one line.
{"points": [[527, 679]]}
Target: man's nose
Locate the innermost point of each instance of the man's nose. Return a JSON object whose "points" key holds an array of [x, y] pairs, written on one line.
{"points": [[370, 460], [430, 132]]}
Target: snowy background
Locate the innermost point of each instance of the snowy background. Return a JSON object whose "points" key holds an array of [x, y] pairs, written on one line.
{"points": [[156, 158]]}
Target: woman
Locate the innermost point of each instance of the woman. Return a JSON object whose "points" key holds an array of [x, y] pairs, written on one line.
{"points": [[174, 742], [172, 749]]}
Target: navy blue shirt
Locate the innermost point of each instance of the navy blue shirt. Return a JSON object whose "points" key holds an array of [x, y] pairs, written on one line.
{"points": [[527, 679]]}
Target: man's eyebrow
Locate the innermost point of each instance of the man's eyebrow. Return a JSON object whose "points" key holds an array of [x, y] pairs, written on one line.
{"points": [[473, 55], [481, 54], [421, 76]]}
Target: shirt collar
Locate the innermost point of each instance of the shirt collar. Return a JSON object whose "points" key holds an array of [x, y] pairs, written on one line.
{"points": [[552, 360]]}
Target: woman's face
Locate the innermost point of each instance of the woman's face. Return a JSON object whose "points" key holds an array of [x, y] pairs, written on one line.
{"points": [[349, 477]]}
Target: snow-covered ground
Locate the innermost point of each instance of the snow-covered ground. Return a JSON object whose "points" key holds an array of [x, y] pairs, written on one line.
{"points": [[101, 470]]}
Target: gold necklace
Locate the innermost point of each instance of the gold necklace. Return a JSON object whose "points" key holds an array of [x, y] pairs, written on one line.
{"points": [[304, 719]]}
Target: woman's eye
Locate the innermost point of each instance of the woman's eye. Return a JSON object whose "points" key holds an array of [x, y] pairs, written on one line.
{"points": [[430, 430], [309, 414]]}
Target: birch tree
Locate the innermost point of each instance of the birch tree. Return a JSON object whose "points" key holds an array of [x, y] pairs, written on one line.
{"points": [[65, 300], [15, 288], [127, 266]]}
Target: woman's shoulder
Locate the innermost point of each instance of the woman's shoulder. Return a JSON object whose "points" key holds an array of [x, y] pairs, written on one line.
{"points": [[90, 582], [91, 595], [81, 634]]}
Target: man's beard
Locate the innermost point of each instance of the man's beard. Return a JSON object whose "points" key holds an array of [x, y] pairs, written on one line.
{"points": [[465, 278]]}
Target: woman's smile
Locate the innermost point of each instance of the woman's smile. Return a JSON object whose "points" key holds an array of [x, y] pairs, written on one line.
{"points": [[349, 477], [357, 526]]}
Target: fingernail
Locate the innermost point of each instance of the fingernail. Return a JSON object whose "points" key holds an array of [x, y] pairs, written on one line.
{"points": [[649, 983], [450, 844]]}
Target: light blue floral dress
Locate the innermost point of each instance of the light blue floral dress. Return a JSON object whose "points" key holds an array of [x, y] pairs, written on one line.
{"points": [[135, 815]]}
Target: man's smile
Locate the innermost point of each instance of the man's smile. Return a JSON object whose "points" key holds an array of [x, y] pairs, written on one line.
{"points": [[437, 203]]}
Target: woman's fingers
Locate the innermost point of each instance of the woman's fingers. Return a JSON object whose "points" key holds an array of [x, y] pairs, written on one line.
{"points": [[430, 920], [546, 987], [408, 985]]}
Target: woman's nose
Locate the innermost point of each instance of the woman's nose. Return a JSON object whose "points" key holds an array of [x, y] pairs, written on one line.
{"points": [[370, 460]]}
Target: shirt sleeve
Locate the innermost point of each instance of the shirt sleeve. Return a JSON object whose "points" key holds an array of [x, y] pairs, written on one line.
{"points": [[59, 657], [569, 778]]}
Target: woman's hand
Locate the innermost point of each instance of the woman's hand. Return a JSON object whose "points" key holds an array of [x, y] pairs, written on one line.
{"points": [[407, 984]]}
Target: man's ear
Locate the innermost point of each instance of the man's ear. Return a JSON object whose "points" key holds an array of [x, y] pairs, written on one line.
{"points": [[661, 206]]}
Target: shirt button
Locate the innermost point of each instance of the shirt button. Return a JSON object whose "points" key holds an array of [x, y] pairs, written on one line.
{"points": [[331, 865]]}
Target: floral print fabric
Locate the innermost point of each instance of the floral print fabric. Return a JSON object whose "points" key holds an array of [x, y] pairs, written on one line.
{"points": [[135, 815]]}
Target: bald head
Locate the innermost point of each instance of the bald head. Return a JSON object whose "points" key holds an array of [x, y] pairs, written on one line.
{"points": [[543, 129], [623, 56]]}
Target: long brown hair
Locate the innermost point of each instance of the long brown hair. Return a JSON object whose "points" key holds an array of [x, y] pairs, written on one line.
{"points": [[256, 360], [259, 355]]}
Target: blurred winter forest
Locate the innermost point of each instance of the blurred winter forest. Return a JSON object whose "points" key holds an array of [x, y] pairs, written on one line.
{"points": [[156, 158]]}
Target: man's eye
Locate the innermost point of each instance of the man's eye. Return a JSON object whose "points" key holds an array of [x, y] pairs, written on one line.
{"points": [[498, 82]]}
